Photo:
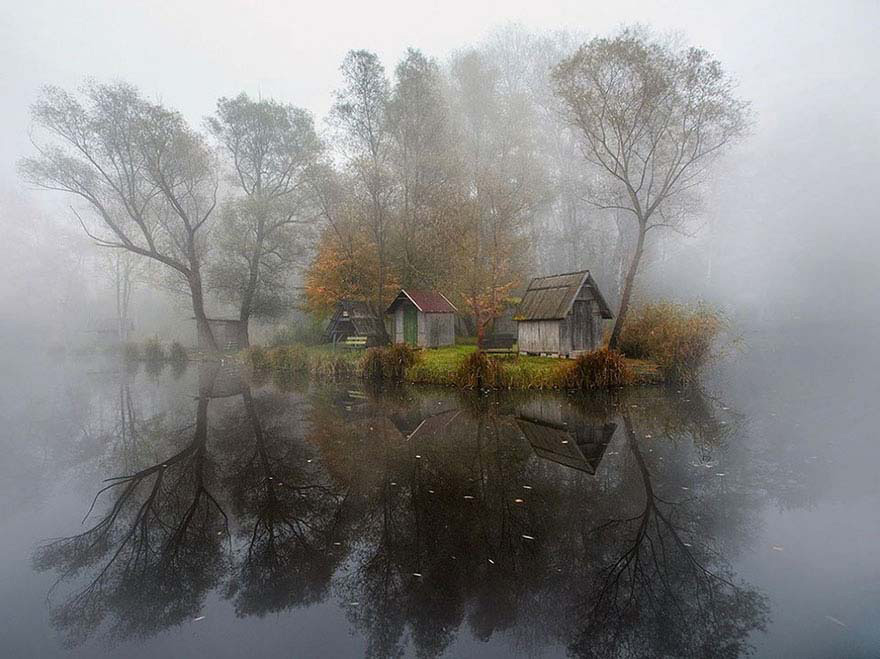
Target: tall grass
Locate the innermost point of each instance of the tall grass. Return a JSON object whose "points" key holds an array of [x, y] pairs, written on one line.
{"points": [[290, 358], [678, 338], [300, 360], [599, 369], [478, 370], [257, 358], [388, 362]]}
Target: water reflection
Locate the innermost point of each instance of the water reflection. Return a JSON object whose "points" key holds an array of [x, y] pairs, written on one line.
{"points": [[601, 526]]}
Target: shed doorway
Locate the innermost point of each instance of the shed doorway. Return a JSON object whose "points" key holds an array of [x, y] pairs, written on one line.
{"points": [[410, 325], [581, 338]]}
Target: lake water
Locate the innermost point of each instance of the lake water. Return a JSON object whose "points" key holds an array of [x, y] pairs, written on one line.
{"points": [[196, 513]]}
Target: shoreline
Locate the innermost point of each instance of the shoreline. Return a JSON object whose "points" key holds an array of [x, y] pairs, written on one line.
{"points": [[433, 366]]}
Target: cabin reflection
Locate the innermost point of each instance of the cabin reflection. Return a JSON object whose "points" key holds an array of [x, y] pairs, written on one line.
{"points": [[560, 434], [220, 379]]}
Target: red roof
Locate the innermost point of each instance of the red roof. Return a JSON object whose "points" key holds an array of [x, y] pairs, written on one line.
{"points": [[426, 301]]}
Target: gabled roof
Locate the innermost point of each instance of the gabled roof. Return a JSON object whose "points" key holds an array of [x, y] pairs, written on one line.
{"points": [[425, 301], [551, 298], [358, 314]]}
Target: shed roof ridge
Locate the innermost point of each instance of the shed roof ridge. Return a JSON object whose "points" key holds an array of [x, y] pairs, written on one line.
{"points": [[561, 274], [404, 291]]}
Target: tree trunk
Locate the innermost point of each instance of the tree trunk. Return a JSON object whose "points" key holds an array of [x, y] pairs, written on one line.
{"points": [[247, 300], [481, 330], [244, 318], [205, 335], [627, 289]]}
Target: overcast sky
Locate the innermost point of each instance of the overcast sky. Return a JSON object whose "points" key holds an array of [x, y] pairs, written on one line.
{"points": [[797, 204], [190, 53]]}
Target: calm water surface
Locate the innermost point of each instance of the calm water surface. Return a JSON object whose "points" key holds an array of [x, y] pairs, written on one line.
{"points": [[200, 513]]}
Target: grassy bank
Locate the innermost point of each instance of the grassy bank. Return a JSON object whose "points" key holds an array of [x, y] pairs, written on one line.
{"points": [[444, 366], [449, 366], [314, 361], [661, 342]]}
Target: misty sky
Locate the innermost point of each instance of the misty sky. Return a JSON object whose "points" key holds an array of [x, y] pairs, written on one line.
{"points": [[190, 53], [799, 186]]}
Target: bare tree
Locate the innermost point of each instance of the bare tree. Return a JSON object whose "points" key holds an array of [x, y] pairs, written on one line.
{"points": [[271, 147], [652, 118], [147, 178], [121, 269]]}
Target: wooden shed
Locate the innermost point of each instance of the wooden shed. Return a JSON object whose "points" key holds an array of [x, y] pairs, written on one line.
{"points": [[422, 318], [229, 334], [561, 315], [353, 318]]}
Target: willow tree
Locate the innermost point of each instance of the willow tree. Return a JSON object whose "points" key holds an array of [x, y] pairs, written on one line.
{"points": [[271, 147], [652, 119], [146, 178]]}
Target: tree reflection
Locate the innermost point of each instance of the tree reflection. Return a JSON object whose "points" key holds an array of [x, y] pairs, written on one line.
{"points": [[593, 522], [662, 588], [156, 552], [288, 514]]}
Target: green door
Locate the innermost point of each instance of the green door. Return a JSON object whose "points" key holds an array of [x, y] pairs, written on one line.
{"points": [[410, 325]]}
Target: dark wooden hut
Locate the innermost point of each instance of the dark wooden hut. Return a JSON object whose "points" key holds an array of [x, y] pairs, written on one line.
{"points": [[561, 315], [422, 318], [353, 318], [228, 333]]}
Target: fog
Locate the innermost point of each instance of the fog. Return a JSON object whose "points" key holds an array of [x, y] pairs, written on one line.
{"points": [[788, 223], [478, 178]]}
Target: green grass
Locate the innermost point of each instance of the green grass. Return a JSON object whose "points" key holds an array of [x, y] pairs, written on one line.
{"points": [[437, 366], [440, 366], [316, 361]]}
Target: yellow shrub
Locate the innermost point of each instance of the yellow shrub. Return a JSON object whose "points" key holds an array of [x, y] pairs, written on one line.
{"points": [[679, 338], [389, 362], [599, 369]]}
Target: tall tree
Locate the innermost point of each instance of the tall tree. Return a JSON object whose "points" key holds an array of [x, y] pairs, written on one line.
{"points": [[424, 164], [146, 177], [360, 112], [652, 118], [271, 148], [503, 185]]}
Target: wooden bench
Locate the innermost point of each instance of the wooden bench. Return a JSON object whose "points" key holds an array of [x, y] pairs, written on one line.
{"points": [[355, 342], [499, 343]]}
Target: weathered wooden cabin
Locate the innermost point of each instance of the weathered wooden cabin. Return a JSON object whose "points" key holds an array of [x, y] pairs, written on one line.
{"points": [[422, 318], [229, 334], [561, 315], [353, 318]]}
